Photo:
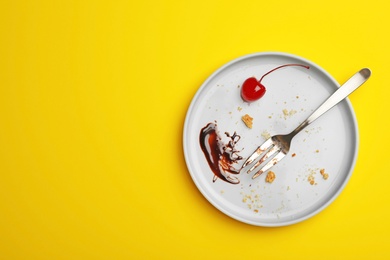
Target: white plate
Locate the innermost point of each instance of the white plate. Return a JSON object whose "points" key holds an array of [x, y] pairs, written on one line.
{"points": [[330, 143]]}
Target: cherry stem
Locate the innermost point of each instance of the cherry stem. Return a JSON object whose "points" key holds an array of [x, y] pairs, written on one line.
{"points": [[285, 65]]}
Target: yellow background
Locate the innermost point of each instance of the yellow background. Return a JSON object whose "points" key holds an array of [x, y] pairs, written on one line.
{"points": [[93, 97]]}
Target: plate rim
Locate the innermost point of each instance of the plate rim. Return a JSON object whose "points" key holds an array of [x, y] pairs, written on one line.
{"points": [[211, 200]]}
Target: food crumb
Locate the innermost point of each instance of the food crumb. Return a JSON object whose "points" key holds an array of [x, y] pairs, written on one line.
{"points": [[239, 108], [247, 120], [292, 112], [222, 191], [270, 177], [287, 113], [265, 135], [311, 178], [317, 151], [293, 155], [324, 175], [252, 200]]}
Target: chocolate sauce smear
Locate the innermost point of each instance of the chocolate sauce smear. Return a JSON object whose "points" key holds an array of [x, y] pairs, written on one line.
{"points": [[220, 156]]}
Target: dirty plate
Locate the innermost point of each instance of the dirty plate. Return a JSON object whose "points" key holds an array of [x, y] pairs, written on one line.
{"points": [[299, 190]]}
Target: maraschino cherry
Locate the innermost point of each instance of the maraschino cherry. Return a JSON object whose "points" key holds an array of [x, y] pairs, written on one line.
{"points": [[253, 90]]}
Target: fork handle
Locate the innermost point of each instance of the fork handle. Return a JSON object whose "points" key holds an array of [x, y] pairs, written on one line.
{"points": [[342, 92]]}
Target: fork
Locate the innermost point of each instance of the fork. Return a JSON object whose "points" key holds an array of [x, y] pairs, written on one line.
{"points": [[279, 145]]}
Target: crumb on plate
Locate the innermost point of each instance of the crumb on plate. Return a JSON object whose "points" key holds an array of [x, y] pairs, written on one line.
{"points": [[247, 120], [324, 175], [287, 113], [310, 179], [270, 177], [265, 135]]}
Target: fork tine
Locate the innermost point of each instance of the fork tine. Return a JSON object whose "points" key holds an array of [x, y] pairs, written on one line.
{"points": [[268, 165], [265, 146], [271, 152]]}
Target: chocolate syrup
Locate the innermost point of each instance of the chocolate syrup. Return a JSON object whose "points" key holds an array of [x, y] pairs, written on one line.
{"points": [[220, 156]]}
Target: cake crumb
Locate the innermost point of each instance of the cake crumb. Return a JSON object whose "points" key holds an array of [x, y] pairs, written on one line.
{"points": [[265, 135], [287, 113], [247, 120], [292, 112], [252, 200], [293, 155], [270, 177], [311, 178], [324, 175]]}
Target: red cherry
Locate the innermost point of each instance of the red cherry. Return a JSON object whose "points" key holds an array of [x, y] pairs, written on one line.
{"points": [[253, 90]]}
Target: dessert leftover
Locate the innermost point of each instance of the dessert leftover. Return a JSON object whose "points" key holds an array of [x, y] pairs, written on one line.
{"points": [[247, 120]]}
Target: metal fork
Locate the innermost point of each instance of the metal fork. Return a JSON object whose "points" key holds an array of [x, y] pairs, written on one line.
{"points": [[279, 145]]}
